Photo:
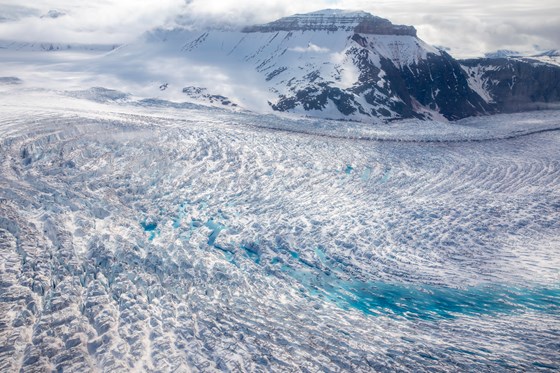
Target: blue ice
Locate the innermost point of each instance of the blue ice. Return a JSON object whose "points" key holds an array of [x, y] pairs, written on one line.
{"points": [[150, 228], [252, 253], [386, 175], [366, 173], [425, 301], [216, 229], [180, 215]]}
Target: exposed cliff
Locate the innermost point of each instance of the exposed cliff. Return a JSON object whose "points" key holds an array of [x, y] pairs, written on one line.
{"points": [[516, 84]]}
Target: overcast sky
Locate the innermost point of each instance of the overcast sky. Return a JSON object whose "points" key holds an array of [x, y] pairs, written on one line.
{"points": [[468, 28]]}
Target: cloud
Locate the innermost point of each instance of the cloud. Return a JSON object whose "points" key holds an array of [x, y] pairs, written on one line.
{"points": [[466, 27], [102, 21], [14, 12], [311, 48]]}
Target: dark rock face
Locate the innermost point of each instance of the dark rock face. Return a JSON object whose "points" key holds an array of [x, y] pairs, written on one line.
{"points": [[437, 83], [316, 98], [440, 84], [202, 94], [404, 78], [380, 26], [519, 85]]}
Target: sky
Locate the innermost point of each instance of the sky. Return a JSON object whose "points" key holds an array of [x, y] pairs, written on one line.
{"points": [[467, 28]]}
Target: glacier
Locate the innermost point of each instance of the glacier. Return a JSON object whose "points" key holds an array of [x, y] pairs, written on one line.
{"points": [[182, 203], [150, 236]]}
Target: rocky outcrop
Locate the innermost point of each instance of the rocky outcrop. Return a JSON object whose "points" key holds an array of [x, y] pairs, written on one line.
{"points": [[439, 83], [201, 94], [380, 26]]}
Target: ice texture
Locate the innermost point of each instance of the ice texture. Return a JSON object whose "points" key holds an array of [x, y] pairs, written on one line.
{"points": [[145, 237]]}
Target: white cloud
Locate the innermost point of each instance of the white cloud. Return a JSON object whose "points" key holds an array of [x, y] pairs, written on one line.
{"points": [[103, 21], [467, 27], [310, 48]]}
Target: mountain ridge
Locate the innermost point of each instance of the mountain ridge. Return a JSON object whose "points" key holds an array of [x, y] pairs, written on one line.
{"points": [[332, 64], [334, 20], [353, 65]]}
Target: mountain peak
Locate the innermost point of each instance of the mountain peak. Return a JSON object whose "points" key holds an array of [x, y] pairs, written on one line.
{"points": [[503, 53], [337, 13], [332, 20], [548, 53]]}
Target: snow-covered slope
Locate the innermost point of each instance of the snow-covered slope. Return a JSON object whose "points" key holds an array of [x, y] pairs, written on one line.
{"points": [[551, 56], [327, 64], [335, 64], [54, 47], [503, 53]]}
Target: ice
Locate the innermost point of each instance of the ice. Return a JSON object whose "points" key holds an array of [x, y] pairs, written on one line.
{"points": [[138, 236], [216, 229], [421, 302]]}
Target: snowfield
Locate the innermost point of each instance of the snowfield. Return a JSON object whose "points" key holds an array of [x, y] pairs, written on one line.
{"points": [[140, 235]]}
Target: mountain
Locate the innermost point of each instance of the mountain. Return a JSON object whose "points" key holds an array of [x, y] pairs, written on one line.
{"points": [[334, 64], [515, 84], [359, 65], [547, 57], [551, 53], [346, 65], [22, 46], [502, 53], [143, 232]]}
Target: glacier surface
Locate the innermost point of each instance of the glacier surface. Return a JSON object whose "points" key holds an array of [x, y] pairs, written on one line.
{"points": [[148, 236]]}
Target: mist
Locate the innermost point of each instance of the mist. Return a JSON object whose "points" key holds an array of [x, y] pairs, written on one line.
{"points": [[466, 28]]}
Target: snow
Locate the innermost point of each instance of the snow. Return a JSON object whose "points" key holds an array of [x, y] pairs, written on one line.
{"points": [[477, 82], [548, 60], [151, 229], [402, 50], [254, 70], [549, 57], [409, 236], [55, 47], [503, 53], [311, 48]]}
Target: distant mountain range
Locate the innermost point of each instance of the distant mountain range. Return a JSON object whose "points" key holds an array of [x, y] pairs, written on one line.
{"points": [[334, 64]]}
